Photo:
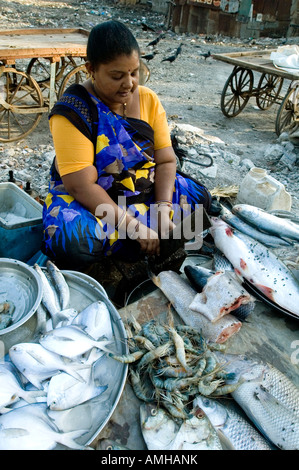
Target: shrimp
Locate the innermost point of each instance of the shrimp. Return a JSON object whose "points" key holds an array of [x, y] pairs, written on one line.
{"points": [[138, 388], [128, 358], [179, 347], [175, 411], [207, 389], [211, 364], [225, 389], [150, 356], [148, 330], [145, 342], [176, 372], [134, 323]]}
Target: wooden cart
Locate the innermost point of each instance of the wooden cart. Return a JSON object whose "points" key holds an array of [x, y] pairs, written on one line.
{"points": [[239, 87], [36, 66]]}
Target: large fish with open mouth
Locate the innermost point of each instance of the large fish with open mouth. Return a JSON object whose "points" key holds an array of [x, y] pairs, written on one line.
{"points": [[258, 265]]}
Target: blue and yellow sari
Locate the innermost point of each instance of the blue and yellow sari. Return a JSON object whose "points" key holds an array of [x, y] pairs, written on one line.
{"points": [[123, 157]]}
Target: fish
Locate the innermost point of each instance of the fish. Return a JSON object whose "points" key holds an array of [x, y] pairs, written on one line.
{"points": [[197, 433], [108, 444], [220, 262], [180, 293], [28, 429], [258, 265], [6, 314], [267, 222], [198, 277], [71, 341], [60, 284], [234, 430], [158, 429], [66, 392], [268, 397], [96, 320], [37, 364], [271, 241], [221, 295], [11, 388], [49, 297], [161, 432]]}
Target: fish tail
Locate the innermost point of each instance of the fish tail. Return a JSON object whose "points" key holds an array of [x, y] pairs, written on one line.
{"points": [[32, 395], [102, 345], [68, 439]]}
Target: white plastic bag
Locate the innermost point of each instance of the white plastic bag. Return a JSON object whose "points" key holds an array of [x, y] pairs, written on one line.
{"points": [[286, 58]]}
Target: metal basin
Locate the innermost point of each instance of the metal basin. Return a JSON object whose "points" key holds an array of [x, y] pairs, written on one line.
{"points": [[21, 285]]}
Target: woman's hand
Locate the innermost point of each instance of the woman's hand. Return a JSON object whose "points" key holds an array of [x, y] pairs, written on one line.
{"points": [[146, 237]]}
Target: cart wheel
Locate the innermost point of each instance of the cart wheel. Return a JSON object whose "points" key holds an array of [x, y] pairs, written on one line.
{"points": [[269, 88], [77, 75], [288, 110], [40, 69], [20, 102], [236, 91]]}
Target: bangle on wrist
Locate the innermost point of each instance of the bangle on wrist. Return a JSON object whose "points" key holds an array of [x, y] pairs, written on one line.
{"points": [[163, 203], [121, 220]]}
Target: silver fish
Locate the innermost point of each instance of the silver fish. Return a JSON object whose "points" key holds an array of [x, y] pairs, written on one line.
{"points": [[197, 433], [66, 392], [28, 429], [38, 364], [267, 222], [96, 320], [234, 430], [161, 432], [158, 429], [258, 264], [11, 389], [60, 284], [181, 294], [271, 241], [49, 298], [269, 399], [71, 341]]}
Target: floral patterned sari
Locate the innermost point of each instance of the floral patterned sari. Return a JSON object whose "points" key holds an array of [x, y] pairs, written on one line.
{"points": [[124, 159]]}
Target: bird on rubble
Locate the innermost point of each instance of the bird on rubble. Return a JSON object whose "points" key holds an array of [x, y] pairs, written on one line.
{"points": [[147, 27], [179, 49], [206, 54], [170, 59], [155, 41], [149, 57]]}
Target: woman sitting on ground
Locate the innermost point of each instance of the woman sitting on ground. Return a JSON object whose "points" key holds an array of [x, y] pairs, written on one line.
{"points": [[114, 187]]}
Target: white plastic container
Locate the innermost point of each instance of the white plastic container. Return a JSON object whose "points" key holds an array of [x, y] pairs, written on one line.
{"points": [[262, 190]]}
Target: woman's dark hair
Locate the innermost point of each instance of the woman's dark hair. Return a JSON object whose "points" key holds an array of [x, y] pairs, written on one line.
{"points": [[109, 40]]}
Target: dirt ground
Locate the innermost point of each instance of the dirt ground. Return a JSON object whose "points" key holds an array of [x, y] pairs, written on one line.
{"points": [[190, 89]]}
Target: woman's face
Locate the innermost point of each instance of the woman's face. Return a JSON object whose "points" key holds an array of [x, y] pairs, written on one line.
{"points": [[116, 81]]}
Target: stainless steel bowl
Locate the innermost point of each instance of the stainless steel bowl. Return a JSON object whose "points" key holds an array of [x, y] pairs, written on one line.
{"points": [[21, 285]]}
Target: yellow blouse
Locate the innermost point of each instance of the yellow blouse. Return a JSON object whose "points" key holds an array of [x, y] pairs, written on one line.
{"points": [[74, 151]]}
